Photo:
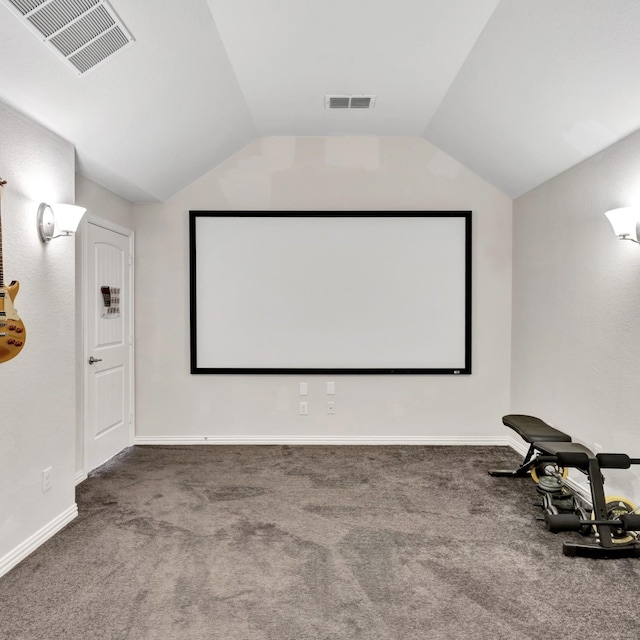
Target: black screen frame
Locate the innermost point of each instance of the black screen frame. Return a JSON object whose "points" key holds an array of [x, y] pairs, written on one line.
{"points": [[195, 369]]}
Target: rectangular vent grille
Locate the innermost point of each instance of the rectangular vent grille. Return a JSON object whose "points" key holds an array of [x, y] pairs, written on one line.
{"points": [[361, 102], [24, 6], [99, 50], [84, 32], [339, 102], [90, 26], [349, 102], [57, 14]]}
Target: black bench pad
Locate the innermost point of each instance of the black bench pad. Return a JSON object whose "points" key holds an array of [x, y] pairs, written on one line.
{"points": [[554, 448], [533, 430]]}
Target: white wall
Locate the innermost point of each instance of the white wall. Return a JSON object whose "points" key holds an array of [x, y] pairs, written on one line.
{"points": [[103, 203], [37, 388], [106, 205], [576, 307], [321, 173]]}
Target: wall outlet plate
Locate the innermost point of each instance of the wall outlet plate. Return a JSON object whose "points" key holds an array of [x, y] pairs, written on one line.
{"points": [[47, 481]]}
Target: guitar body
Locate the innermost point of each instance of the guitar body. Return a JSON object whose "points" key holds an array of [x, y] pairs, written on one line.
{"points": [[12, 332]]}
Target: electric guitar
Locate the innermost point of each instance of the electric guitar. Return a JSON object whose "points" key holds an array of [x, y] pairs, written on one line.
{"points": [[12, 333]]}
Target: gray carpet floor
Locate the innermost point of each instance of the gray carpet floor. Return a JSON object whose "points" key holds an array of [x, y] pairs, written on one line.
{"points": [[318, 543]]}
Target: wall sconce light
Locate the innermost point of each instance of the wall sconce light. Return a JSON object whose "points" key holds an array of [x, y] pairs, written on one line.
{"points": [[625, 222], [55, 220]]}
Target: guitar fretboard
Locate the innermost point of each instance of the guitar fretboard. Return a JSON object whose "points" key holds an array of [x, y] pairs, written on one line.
{"points": [[2, 183]]}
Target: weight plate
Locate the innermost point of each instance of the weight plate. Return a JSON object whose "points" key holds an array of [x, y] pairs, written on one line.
{"points": [[616, 507], [537, 470], [550, 484]]}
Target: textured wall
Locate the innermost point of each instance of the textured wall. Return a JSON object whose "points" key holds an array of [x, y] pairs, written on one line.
{"points": [[37, 388], [321, 173], [576, 306]]}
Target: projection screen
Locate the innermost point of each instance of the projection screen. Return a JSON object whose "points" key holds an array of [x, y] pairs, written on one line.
{"points": [[330, 292]]}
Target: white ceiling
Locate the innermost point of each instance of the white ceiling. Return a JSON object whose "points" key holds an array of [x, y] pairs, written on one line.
{"points": [[517, 90]]}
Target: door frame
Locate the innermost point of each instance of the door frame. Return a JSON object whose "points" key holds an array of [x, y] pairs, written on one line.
{"points": [[82, 348]]}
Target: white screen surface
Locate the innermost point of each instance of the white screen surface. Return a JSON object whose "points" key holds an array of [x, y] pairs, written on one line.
{"points": [[353, 292]]}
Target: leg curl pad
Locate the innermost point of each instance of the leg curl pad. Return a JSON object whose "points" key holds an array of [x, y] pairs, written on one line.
{"points": [[562, 522], [630, 521]]}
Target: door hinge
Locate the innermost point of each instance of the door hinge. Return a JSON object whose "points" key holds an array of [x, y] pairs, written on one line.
{"points": [[130, 260]]}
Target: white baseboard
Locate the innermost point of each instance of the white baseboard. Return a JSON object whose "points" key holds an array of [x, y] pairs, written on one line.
{"points": [[324, 440], [27, 547], [81, 476], [518, 445]]}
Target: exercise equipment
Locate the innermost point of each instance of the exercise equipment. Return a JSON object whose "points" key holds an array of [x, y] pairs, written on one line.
{"points": [[620, 517], [531, 430], [539, 472], [613, 520], [619, 508]]}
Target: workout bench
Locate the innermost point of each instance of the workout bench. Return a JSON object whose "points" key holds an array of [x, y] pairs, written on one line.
{"points": [[531, 430], [552, 452]]}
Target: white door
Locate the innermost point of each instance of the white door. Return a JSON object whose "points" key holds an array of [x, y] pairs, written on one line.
{"points": [[108, 345]]}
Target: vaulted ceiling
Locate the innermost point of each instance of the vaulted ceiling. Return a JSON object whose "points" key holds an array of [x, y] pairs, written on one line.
{"points": [[516, 90]]}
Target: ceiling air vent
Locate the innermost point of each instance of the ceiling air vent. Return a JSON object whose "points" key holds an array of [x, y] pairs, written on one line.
{"points": [[84, 32], [349, 102], [338, 102], [361, 102]]}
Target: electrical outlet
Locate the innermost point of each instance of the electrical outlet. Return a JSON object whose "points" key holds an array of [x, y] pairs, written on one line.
{"points": [[331, 407], [304, 408], [46, 479]]}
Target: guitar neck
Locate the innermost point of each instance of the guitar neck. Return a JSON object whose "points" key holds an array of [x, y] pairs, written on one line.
{"points": [[2, 183]]}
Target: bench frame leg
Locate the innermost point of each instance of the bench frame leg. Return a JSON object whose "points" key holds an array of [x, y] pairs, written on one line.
{"points": [[606, 547], [521, 472]]}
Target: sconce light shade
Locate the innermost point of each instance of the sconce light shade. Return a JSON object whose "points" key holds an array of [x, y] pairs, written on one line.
{"points": [[624, 222], [55, 220]]}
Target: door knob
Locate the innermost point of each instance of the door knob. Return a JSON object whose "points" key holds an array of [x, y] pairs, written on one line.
{"points": [[92, 360]]}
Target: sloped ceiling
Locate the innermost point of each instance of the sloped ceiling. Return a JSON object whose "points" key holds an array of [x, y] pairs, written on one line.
{"points": [[517, 90]]}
